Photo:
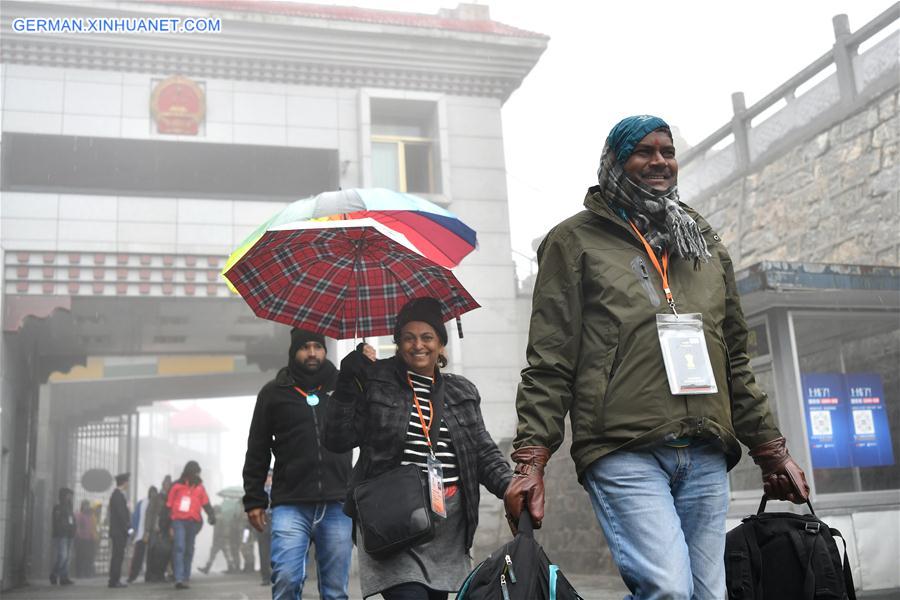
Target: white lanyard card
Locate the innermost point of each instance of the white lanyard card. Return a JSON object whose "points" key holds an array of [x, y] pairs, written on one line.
{"points": [[685, 354], [436, 486]]}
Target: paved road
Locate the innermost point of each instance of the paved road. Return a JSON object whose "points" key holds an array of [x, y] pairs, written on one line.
{"points": [[237, 587]]}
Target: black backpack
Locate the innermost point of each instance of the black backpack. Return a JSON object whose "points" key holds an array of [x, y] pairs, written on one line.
{"points": [[786, 556], [518, 570]]}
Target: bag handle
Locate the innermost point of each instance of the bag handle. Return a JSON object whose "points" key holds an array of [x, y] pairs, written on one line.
{"points": [[525, 526], [848, 573], [762, 506]]}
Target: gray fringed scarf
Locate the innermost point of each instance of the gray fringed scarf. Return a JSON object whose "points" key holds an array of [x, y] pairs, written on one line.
{"points": [[662, 222]]}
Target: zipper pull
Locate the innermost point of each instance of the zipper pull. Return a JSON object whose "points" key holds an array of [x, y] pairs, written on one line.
{"points": [[503, 587], [644, 272], [509, 569]]}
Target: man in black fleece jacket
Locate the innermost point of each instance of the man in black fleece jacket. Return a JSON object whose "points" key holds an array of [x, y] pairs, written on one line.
{"points": [[309, 482]]}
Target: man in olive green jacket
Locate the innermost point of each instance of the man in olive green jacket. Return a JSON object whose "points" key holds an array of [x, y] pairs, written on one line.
{"points": [[653, 461]]}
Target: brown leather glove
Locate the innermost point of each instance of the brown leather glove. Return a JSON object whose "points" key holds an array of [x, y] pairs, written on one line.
{"points": [[783, 479], [527, 485]]}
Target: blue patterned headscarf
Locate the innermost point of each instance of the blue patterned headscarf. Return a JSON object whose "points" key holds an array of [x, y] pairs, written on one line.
{"points": [[662, 222], [629, 131]]}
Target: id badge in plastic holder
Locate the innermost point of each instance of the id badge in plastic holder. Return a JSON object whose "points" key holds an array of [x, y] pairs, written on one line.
{"points": [[436, 486], [685, 354]]}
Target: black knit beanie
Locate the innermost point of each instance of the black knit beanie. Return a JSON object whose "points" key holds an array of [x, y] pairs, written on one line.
{"points": [[426, 310], [300, 337]]}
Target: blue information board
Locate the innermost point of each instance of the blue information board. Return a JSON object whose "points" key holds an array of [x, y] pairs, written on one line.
{"points": [[870, 431], [846, 420], [825, 401]]}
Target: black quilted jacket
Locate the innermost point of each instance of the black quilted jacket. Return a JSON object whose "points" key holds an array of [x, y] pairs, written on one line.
{"points": [[376, 420]]}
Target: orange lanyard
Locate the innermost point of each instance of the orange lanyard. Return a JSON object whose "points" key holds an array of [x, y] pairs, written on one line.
{"points": [[425, 428], [304, 394], [662, 270]]}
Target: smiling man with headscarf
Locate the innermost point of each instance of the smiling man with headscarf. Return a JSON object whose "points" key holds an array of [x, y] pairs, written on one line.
{"points": [[657, 420]]}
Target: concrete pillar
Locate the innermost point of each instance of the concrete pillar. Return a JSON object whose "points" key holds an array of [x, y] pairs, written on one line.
{"points": [[843, 59], [740, 128]]}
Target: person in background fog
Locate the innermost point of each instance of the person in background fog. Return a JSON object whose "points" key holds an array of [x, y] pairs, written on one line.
{"points": [[85, 540], [63, 533], [186, 498], [159, 551], [119, 529], [139, 523], [219, 541]]}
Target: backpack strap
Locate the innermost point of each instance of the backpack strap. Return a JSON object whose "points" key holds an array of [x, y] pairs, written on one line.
{"points": [[749, 531], [848, 573], [809, 577]]}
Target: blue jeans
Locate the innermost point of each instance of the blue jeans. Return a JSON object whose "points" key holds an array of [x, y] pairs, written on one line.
{"points": [[183, 548], [294, 526], [61, 551], [663, 510]]}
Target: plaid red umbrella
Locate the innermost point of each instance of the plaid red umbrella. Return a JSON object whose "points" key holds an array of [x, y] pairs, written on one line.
{"points": [[343, 279]]}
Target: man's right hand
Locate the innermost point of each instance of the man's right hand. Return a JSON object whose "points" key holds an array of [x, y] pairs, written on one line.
{"points": [[527, 486], [257, 518]]}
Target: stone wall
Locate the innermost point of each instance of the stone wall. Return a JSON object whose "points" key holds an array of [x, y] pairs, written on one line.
{"points": [[833, 198]]}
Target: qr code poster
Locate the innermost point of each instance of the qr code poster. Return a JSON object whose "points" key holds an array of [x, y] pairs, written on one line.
{"points": [[863, 422], [821, 422]]}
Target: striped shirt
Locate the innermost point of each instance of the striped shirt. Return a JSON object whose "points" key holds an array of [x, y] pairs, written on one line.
{"points": [[415, 451]]}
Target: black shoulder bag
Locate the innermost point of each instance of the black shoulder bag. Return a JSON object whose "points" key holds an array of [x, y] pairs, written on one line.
{"points": [[393, 511]]}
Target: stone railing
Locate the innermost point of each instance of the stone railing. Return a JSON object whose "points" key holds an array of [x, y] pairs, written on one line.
{"points": [[857, 78]]}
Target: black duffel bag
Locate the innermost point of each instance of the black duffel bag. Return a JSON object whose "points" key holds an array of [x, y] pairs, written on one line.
{"points": [[786, 556], [393, 511]]}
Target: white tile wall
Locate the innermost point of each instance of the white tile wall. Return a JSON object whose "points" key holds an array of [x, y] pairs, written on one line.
{"points": [[86, 231], [487, 281], [219, 132], [14, 230], [218, 236], [83, 98], [482, 216], [148, 210], [304, 111], [347, 114], [219, 105], [136, 100], [137, 128], [308, 137], [254, 213], [204, 211], [136, 234], [260, 109], [91, 208], [877, 549], [92, 125], [32, 122], [269, 135], [474, 120], [29, 206], [470, 183], [479, 152], [33, 95]]}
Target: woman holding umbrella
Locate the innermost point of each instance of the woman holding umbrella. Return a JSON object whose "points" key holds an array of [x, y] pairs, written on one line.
{"points": [[404, 410]]}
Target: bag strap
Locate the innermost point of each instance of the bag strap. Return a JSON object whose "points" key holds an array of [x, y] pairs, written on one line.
{"points": [[749, 532], [848, 573], [809, 576]]}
